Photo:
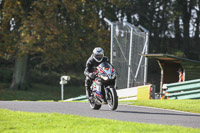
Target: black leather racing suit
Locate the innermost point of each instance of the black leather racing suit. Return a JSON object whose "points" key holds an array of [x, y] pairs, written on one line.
{"points": [[91, 65]]}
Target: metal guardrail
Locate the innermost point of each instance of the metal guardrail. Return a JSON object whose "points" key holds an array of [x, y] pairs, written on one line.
{"points": [[79, 98], [184, 90]]}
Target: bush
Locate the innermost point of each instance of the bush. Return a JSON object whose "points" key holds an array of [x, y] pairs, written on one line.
{"points": [[53, 78], [43, 77], [6, 74]]}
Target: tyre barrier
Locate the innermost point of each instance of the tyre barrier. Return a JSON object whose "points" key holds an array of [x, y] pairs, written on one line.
{"points": [[184, 90]]}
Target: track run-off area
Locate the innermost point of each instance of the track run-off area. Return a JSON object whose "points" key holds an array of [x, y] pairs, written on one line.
{"points": [[123, 112]]}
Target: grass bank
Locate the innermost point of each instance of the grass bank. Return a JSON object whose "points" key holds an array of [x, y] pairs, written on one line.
{"points": [[16, 121], [40, 92], [182, 105]]}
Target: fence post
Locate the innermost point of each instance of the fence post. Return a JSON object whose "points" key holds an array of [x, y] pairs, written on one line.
{"points": [[62, 91], [111, 40], [130, 53], [146, 60], [145, 50], [63, 80]]}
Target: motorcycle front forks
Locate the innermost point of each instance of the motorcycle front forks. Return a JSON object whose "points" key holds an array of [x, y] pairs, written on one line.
{"points": [[106, 93]]}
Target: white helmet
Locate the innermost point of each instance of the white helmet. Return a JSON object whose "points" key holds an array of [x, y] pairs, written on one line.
{"points": [[98, 54]]}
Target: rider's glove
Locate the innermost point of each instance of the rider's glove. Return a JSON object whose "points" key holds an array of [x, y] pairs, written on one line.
{"points": [[92, 75]]}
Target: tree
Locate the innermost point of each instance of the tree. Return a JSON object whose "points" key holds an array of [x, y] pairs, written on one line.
{"points": [[12, 15], [59, 33], [172, 24]]}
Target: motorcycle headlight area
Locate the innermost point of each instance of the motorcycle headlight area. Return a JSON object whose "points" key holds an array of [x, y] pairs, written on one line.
{"points": [[104, 77]]}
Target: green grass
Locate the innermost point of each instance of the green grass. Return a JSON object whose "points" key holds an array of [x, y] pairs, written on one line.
{"points": [[40, 92], [24, 122], [182, 105]]}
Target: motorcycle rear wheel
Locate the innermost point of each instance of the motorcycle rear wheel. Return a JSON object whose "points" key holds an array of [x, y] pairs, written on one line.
{"points": [[113, 99]]}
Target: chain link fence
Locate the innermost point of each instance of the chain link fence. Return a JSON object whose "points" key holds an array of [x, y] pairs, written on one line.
{"points": [[128, 43]]}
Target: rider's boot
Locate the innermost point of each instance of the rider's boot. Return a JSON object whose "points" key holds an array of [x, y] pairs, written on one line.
{"points": [[88, 94]]}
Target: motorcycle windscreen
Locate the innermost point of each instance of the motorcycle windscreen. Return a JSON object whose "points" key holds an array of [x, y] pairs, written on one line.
{"points": [[104, 65]]}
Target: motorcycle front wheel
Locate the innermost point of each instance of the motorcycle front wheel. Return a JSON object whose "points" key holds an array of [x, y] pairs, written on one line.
{"points": [[112, 99]]}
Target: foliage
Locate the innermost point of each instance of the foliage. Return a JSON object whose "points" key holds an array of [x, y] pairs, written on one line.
{"points": [[40, 92], [57, 32], [173, 25], [59, 35], [53, 78], [6, 74], [16, 121]]}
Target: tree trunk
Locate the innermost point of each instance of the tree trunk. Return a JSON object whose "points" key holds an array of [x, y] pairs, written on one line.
{"points": [[186, 27], [19, 81], [177, 32]]}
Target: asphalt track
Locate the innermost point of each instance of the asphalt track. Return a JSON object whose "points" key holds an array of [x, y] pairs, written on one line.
{"points": [[123, 112]]}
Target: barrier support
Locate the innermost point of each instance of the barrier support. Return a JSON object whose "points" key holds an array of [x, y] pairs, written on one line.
{"points": [[63, 80]]}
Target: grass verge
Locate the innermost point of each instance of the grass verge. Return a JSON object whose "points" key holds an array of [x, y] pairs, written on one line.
{"points": [[181, 105], [40, 92], [16, 121]]}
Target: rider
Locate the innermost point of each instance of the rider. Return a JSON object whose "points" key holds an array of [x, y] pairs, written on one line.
{"points": [[95, 59]]}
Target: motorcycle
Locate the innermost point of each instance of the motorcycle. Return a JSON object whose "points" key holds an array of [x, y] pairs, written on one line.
{"points": [[102, 88]]}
